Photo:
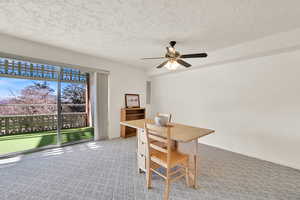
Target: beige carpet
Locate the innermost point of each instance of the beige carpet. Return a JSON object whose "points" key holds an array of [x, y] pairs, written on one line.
{"points": [[107, 170]]}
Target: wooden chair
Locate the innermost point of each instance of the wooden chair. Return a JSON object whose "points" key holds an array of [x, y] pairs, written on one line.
{"points": [[174, 162], [167, 115]]}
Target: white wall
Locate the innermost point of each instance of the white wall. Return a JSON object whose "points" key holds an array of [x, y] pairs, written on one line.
{"points": [[122, 79], [253, 103]]}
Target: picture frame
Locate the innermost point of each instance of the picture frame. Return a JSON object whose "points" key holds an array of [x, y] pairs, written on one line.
{"points": [[132, 100]]}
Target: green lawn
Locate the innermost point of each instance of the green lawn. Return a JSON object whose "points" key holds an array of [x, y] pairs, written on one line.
{"points": [[21, 142]]}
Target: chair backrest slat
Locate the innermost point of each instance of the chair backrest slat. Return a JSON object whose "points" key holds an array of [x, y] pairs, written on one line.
{"points": [[154, 129], [160, 139], [158, 148]]}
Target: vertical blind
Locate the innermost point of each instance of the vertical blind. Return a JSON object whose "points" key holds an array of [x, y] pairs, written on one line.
{"points": [[99, 96]]}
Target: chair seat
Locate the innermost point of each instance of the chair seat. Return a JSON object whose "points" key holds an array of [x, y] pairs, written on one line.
{"points": [[161, 158]]}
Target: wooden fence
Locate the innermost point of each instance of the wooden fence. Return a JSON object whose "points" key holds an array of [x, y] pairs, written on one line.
{"points": [[34, 123]]}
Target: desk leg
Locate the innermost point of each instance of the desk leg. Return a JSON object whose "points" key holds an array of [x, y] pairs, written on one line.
{"points": [[191, 149], [196, 163], [141, 150], [137, 151]]}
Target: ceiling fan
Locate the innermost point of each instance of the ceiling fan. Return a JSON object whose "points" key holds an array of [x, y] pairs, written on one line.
{"points": [[174, 58]]}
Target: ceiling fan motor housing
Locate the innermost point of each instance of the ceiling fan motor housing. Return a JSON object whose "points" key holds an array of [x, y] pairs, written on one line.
{"points": [[172, 43]]}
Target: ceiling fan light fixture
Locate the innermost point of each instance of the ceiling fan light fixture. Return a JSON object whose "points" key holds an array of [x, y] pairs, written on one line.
{"points": [[172, 65]]}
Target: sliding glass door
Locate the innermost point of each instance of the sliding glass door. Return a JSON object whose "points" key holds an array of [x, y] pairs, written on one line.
{"points": [[42, 105], [75, 111]]}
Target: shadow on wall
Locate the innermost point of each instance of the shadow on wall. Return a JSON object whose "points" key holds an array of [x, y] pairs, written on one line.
{"points": [[255, 55]]}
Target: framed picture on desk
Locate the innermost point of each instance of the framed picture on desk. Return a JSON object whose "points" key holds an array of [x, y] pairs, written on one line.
{"points": [[132, 100]]}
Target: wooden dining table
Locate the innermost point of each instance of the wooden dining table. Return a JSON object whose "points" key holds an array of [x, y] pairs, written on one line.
{"points": [[185, 139]]}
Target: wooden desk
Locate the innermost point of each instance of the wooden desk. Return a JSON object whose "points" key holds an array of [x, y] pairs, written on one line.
{"points": [[181, 134]]}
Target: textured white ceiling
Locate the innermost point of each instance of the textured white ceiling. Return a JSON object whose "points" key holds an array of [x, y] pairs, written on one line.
{"points": [[126, 30]]}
